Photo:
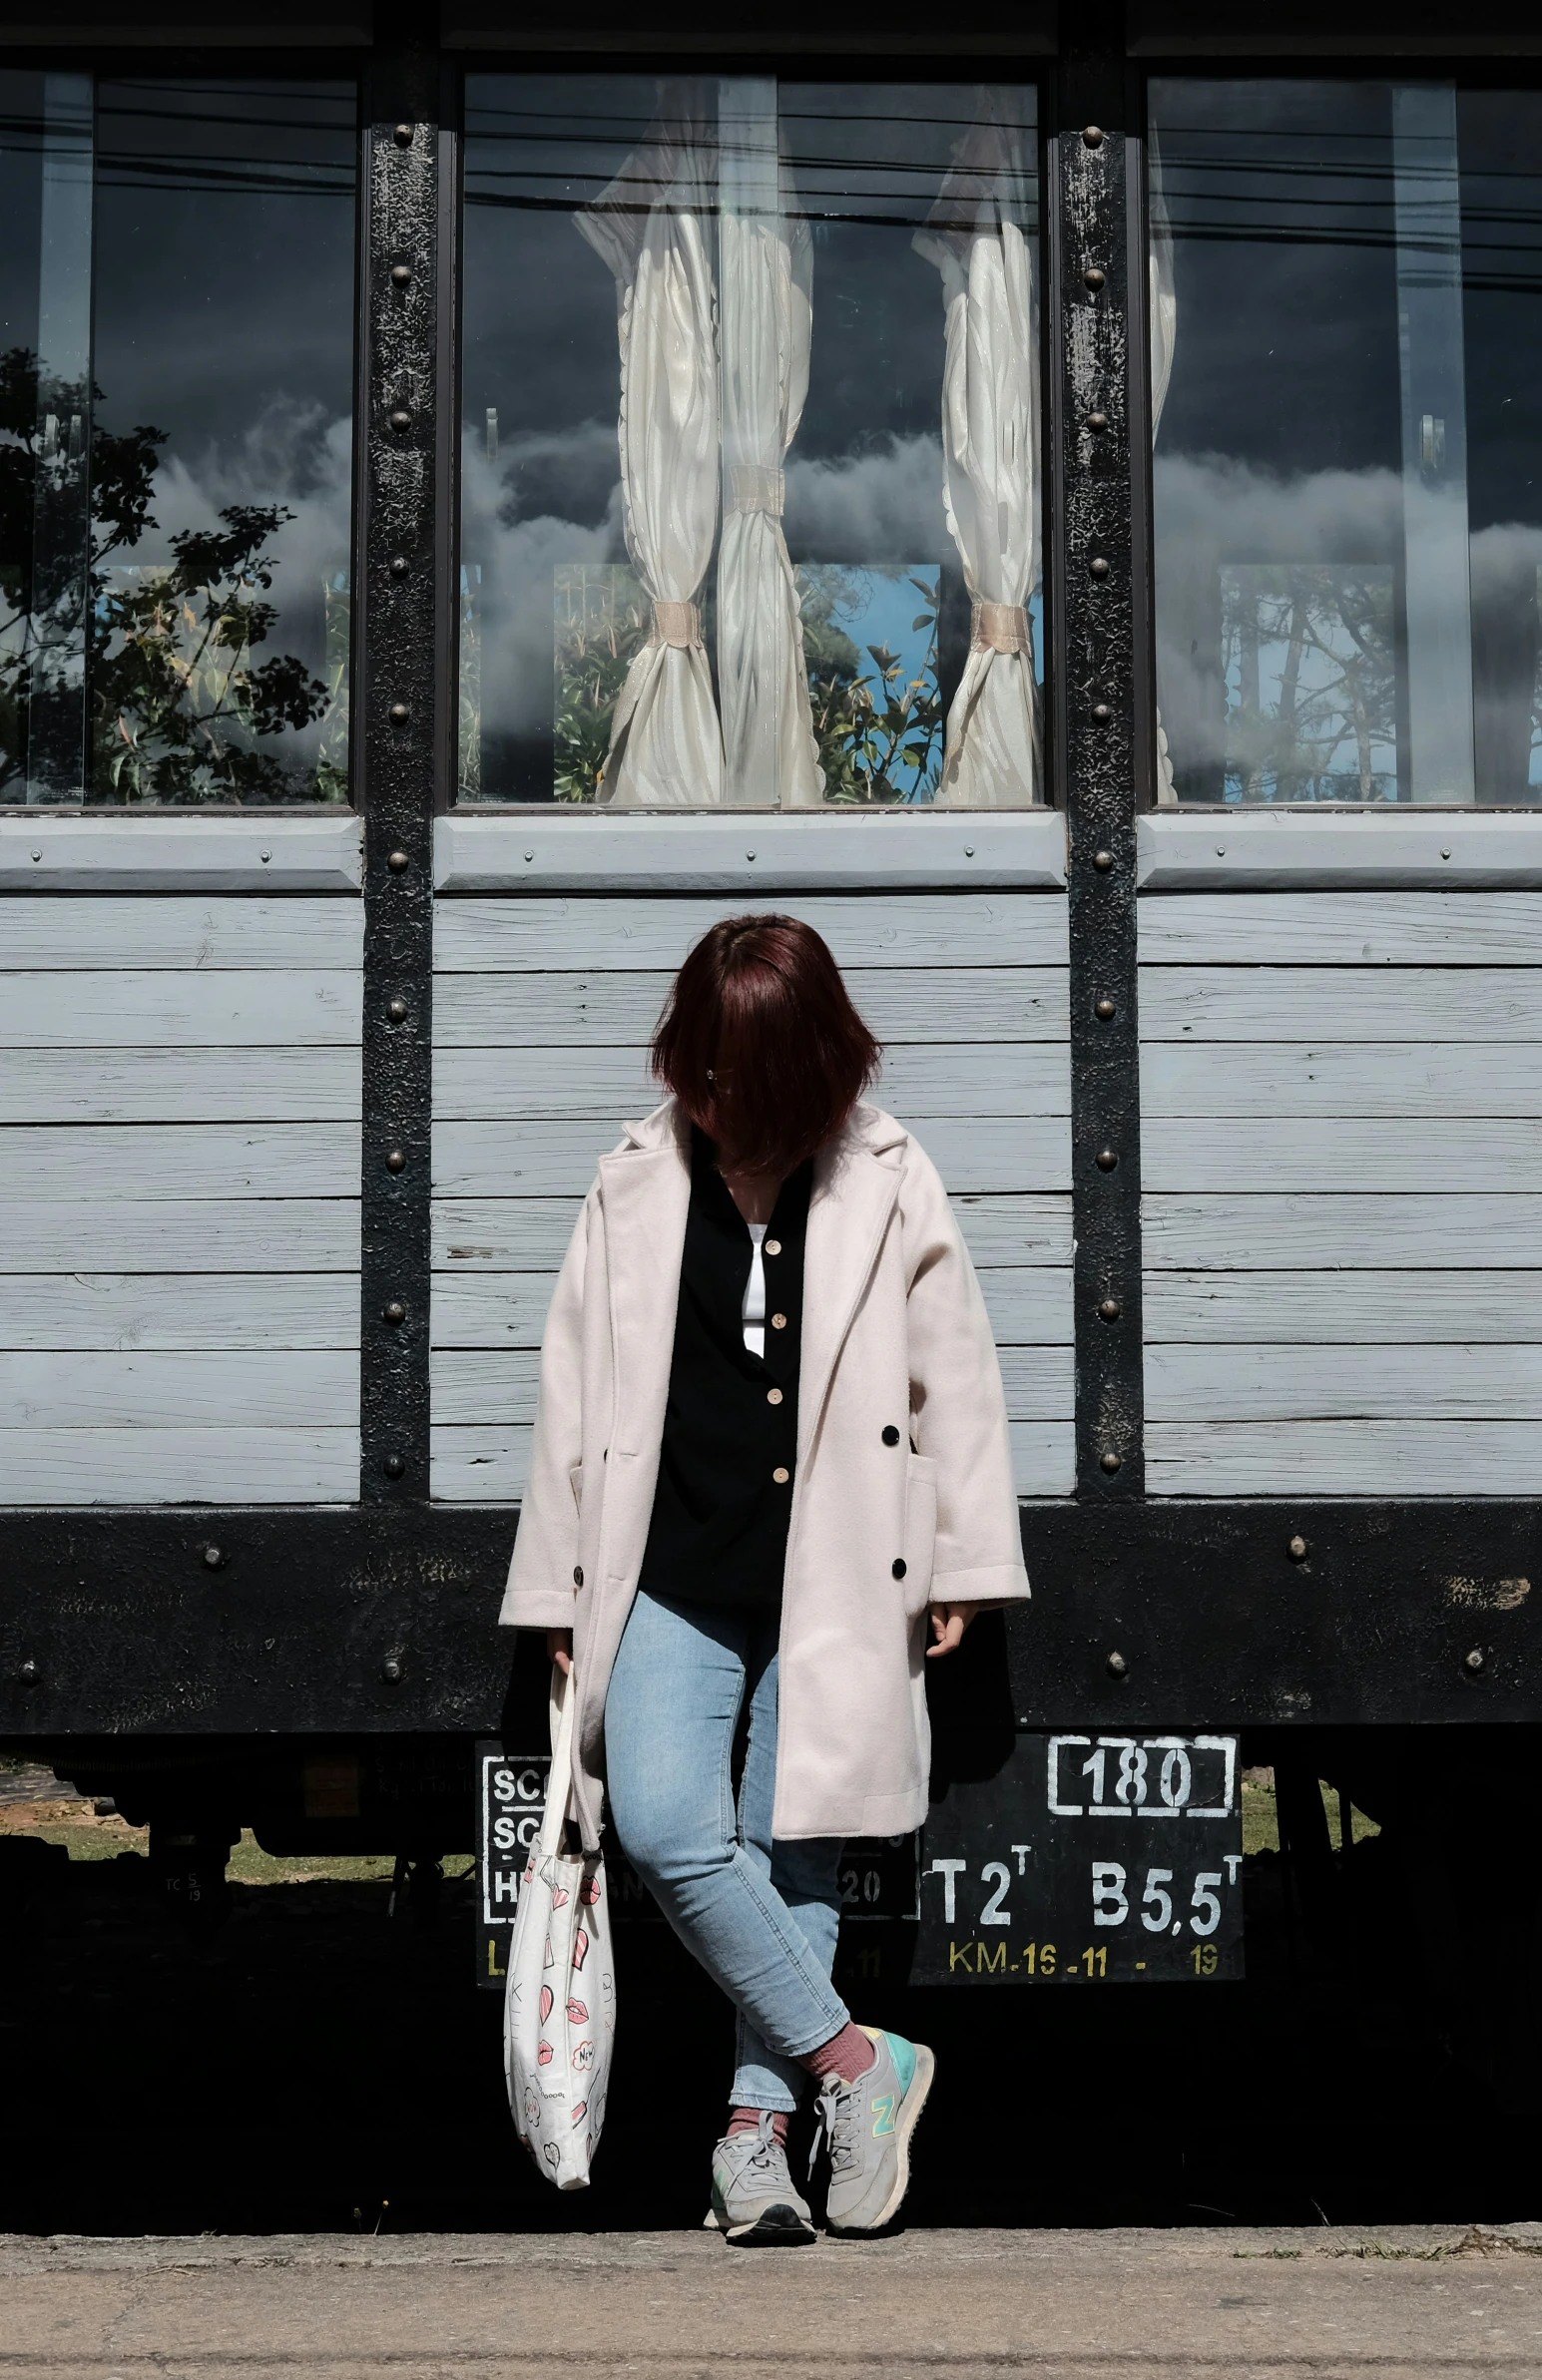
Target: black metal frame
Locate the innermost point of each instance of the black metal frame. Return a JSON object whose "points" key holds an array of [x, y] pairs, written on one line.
{"points": [[380, 1619]]}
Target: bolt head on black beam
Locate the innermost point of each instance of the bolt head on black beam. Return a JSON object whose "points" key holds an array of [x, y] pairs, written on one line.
{"points": [[394, 1466], [1105, 1159], [1473, 1661], [394, 1312], [1110, 1462], [1117, 1665], [1097, 567], [1093, 136], [401, 275], [1297, 1549], [1108, 1309], [214, 1559], [396, 1160], [397, 862], [1097, 421], [1104, 1010], [403, 136], [401, 419], [396, 1011], [1103, 861], [29, 1674]]}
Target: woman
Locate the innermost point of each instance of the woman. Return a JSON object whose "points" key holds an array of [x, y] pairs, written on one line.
{"points": [[771, 1438]]}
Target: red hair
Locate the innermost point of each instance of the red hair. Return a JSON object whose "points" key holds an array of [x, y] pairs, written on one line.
{"points": [[761, 1045]]}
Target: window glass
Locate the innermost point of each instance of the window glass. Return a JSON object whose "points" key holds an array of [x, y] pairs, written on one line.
{"points": [[1346, 324], [175, 457], [750, 458]]}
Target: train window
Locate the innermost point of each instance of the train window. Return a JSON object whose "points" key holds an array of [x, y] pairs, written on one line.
{"points": [[176, 428], [749, 463], [1346, 335]]}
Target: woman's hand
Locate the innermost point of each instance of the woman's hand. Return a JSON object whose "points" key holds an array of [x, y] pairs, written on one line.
{"points": [[948, 1622], [559, 1646]]}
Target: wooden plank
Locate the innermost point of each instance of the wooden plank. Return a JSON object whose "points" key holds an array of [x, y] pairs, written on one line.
{"points": [[1331, 1308], [1292, 1383], [619, 1009], [1028, 1305], [1327, 1079], [1342, 929], [1343, 1153], [903, 930], [1305, 846], [487, 1464], [497, 1158], [200, 1390], [1341, 1004], [612, 1085], [147, 1309], [155, 1086], [1344, 1458], [1224, 1235], [134, 1008], [735, 855], [103, 852], [81, 931], [497, 1384], [215, 1466], [199, 1161], [181, 1234], [531, 1234]]}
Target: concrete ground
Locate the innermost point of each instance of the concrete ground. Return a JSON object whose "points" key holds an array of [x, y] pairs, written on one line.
{"points": [[1062, 2305]]}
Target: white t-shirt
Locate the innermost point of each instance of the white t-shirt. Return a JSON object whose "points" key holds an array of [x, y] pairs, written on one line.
{"points": [[754, 1296]]}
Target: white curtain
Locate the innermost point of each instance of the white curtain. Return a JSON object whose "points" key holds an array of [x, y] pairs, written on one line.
{"points": [[765, 272], [1163, 300], [975, 237], [652, 228]]}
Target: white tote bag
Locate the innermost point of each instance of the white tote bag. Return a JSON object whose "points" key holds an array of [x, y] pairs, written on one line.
{"points": [[559, 2006]]}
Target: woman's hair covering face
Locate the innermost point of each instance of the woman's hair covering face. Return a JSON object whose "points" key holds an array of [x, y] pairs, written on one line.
{"points": [[761, 1045]]}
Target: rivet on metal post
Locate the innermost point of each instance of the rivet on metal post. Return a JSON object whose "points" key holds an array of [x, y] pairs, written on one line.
{"points": [[1097, 567], [390, 1669], [396, 1010], [1103, 861], [1297, 1549], [396, 1160], [1108, 1309], [1105, 1159], [403, 136], [1093, 136], [398, 566], [401, 419], [1110, 1461], [29, 1674], [1105, 1009], [214, 1559], [1117, 1665], [1097, 421], [396, 862], [1102, 712], [401, 275], [401, 714], [394, 1312], [1095, 276], [1474, 1661], [394, 1466]]}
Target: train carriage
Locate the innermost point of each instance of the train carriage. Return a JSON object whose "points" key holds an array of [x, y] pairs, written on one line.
{"points": [[1056, 505]]}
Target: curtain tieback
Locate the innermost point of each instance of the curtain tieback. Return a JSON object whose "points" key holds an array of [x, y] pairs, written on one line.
{"points": [[757, 488], [676, 624], [999, 627]]}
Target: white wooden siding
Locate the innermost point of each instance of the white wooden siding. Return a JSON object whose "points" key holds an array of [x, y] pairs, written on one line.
{"points": [[543, 1006], [1343, 1173], [179, 1114]]}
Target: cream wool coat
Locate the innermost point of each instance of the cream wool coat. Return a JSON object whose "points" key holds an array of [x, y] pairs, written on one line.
{"points": [[894, 1335]]}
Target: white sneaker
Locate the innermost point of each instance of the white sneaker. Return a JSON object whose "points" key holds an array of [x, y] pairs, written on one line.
{"points": [[753, 2198]]}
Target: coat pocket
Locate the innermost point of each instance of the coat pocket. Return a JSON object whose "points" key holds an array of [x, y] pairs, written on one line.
{"points": [[920, 1531]]}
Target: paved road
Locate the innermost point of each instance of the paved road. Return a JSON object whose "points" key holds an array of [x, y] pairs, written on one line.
{"points": [[1066, 2305]]}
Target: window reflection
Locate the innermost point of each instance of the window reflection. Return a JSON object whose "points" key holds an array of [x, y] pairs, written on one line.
{"points": [[176, 400], [713, 548], [1346, 282], [223, 362]]}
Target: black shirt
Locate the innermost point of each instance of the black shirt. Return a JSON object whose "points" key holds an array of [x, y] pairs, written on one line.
{"points": [[718, 1533]]}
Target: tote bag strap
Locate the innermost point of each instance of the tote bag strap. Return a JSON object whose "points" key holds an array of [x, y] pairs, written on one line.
{"points": [[559, 1783]]}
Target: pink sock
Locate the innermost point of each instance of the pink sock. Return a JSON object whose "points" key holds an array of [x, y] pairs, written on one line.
{"points": [[747, 2120], [848, 2053]]}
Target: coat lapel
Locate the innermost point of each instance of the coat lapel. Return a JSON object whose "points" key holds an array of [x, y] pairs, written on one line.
{"points": [[854, 1190], [646, 1194]]}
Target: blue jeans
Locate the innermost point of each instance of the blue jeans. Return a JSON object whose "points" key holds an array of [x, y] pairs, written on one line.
{"points": [[762, 1917]]}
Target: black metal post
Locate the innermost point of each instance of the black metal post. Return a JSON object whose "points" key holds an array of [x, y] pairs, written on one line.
{"points": [[1095, 418], [396, 729]]}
